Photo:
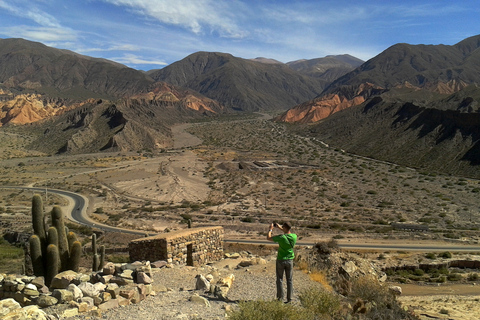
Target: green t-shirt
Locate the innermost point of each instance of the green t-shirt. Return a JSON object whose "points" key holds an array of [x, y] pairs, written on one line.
{"points": [[286, 242]]}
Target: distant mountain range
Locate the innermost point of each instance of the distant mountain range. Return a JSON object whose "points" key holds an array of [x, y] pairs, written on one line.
{"points": [[252, 85], [416, 105]]}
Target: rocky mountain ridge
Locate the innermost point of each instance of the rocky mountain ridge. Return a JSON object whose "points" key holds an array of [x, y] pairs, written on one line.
{"points": [[435, 68]]}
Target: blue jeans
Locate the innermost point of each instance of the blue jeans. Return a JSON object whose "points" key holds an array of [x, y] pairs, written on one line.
{"points": [[284, 266]]}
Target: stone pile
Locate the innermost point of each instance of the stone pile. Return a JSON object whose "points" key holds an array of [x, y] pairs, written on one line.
{"points": [[71, 293]]}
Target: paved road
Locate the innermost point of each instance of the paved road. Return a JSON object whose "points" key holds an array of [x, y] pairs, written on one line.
{"points": [[77, 212], [382, 247], [77, 209]]}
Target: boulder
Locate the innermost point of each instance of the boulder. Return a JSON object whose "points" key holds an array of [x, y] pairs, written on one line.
{"points": [[109, 268], [226, 282], [202, 283], [88, 289], [39, 282], [29, 312], [63, 279], [112, 303], [7, 306], [77, 293], [62, 295], [200, 300], [396, 290], [45, 301], [159, 264], [142, 277]]}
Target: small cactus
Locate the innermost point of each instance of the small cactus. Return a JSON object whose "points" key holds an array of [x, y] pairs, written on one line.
{"points": [[38, 219], [75, 254], [52, 269], [36, 255], [57, 222], [71, 237], [52, 236]]}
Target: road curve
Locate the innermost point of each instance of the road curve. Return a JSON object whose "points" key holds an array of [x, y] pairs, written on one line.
{"points": [[77, 212], [77, 209]]}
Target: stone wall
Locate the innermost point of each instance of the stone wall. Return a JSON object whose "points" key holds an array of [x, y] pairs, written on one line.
{"points": [[193, 247]]}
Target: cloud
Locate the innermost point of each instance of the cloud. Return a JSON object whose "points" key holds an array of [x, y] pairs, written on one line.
{"points": [[131, 59], [31, 12], [42, 34], [198, 16]]}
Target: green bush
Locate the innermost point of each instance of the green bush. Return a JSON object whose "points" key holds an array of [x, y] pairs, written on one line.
{"points": [[430, 255], [446, 255], [320, 301], [454, 277], [473, 277], [269, 310]]}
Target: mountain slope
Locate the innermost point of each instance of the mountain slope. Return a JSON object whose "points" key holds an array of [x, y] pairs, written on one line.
{"points": [[438, 68], [27, 65], [136, 123], [328, 68], [441, 134], [241, 84]]}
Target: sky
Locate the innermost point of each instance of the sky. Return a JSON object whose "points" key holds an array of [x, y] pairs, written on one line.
{"points": [[150, 34]]}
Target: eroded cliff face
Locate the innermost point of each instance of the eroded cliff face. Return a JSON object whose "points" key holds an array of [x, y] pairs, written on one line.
{"points": [[326, 105]]}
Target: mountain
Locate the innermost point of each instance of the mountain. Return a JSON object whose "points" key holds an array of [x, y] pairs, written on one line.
{"points": [[27, 65], [439, 133], [328, 68], [241, 84], [138, 122], [436, 68]]}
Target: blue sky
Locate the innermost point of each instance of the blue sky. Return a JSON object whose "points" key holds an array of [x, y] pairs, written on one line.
{"points": [[149, 34]]}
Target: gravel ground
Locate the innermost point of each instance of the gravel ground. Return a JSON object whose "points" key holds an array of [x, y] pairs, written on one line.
{"points": [[256, 282]]}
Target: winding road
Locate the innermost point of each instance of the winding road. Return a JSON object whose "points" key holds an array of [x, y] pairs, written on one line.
{"points": [[76, 211]]}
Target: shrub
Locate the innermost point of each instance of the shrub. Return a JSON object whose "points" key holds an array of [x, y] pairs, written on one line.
{"points": [[320, 301], [446, 255], [454, 277], [473, 277], [269, 310], [430, 255]]}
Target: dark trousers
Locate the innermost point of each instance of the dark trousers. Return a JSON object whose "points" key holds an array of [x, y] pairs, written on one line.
{"points": [[284, 266]]}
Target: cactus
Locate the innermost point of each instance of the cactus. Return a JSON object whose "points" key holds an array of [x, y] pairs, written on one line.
{"points": [[36, 255], [52, 236], [95, 262], [71, 237], [102, 257], [38, 219], [53, 257], [75, 254], [57, 222]]}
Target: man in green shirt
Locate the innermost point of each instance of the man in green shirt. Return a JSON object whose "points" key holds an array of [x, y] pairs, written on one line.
{"points": [[285, 256]]}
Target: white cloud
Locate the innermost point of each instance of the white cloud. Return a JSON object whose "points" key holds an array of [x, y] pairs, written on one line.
{"points": [[42, 34], [199, 16], [130, 59], [31, 12]]}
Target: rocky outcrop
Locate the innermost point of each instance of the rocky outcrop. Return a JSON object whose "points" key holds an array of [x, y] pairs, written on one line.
{"points": [[72, 293]]}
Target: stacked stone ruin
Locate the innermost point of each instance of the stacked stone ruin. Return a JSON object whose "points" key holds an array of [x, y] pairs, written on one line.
{"points": [[193, 247]]}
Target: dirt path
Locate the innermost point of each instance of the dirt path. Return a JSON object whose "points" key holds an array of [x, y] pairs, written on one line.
{"points": [[182, 139]]}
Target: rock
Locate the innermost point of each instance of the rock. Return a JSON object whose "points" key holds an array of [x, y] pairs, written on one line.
{"points": [[109, 269], [88, 289], [7, 306], [209, 277], [232, 255], [63, 279], [110, 304], [121, 281], [29, 312], [221, 292], [349, 268], [97, 277], [159, 288], [77, 293], [127, 274], [200, 300], [226, 282], [382, 277], [62, 295], [159, 264], [396, 290], [87, 300], [260, 261], [39, 282], [202, 283], [122, 301], [128, 293], [31, 292], [245, 263], [31, 286], [100, 286], [113, 289], [81, 277], [142, 277], [45, 301], [70, 312], [105, 296]]}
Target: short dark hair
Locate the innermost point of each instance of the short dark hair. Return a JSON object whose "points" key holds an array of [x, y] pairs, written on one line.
{"points": [[286, 225]]}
